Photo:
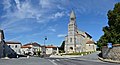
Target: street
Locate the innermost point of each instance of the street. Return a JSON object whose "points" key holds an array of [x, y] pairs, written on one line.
{"points": [[25, 61], [51, 61], [91, 59], [58, 61]]}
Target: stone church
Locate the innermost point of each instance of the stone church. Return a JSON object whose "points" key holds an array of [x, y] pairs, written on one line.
{"points": [[76, 40]]}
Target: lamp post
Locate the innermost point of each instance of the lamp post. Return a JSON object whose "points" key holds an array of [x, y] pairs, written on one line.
{"points": [[45, 40], [44, 49]]}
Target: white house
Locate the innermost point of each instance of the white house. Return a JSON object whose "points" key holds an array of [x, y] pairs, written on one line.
{"points": [[51, 49], [15, 46], [31, 48], [26, 50]]}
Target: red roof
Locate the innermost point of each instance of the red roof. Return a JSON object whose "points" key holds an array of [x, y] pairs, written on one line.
{"points": [[50, 47], [34, 44], [90, 42], [25, 47]]}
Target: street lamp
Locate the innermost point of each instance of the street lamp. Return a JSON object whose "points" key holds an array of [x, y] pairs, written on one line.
{"points": [[45, 40]]}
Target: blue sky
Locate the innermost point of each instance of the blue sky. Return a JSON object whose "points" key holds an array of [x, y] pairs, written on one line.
{"points": [[31, 20]]}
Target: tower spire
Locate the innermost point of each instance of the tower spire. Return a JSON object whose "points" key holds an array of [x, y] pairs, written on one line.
{"points": [[72, 14]]}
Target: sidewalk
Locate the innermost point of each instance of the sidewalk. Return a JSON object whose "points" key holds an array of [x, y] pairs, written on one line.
{"points": [[64, 56], [109, 60]]}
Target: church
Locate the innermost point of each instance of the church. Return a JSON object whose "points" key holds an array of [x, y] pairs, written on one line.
{"points": [[76, 40]]}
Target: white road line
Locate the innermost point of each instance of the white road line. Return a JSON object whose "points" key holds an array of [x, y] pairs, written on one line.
{"points": [[52, 61]]}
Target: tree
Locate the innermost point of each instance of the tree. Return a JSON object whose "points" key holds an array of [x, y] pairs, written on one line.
{"points": [[112, 31], [61, 48]]}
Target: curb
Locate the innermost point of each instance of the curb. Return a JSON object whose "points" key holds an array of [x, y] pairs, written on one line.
{"points": [[6, 58], [109, 60]]}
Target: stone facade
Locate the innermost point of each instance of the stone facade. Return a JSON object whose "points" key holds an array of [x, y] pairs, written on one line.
{"points": [[5, 50], [111, 53], [76, 40]]}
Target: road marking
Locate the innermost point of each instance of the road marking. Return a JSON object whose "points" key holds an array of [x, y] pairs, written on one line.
{"points": [[52, 61]]}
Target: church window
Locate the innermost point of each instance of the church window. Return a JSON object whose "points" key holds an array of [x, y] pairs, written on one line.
{"points": [[72, 18], [70, 39]]}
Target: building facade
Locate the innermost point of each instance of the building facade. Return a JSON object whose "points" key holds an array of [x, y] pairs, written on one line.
{"points": [[15, 46], [76, 40], [31, 48], [5, 50], [51, 50]]}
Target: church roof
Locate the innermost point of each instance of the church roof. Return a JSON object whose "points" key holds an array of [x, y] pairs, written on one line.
{"points": [[90, 42]]}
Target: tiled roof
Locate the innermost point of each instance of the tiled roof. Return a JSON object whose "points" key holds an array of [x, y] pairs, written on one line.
{"points": [[34, 44], [90, 42], [12, 42], [50, 47], [25, 47]]}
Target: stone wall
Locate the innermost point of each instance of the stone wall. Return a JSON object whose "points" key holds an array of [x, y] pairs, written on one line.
{"points": [[111, 53]]}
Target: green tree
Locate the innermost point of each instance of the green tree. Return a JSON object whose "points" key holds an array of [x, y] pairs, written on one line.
{"points": [[112, 31], [61, 48]]}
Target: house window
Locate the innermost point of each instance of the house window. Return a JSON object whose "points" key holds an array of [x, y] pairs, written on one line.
{"points": [[70, 39], [15, 46]]}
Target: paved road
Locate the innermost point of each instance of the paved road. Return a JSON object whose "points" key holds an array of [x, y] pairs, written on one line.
{"points": [[84, 60], [26, 61], [93, 57], [67, 61]]}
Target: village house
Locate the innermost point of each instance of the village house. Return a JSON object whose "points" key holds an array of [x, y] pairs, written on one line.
{"points": [[50, 49], [15, 46], [5, 50], [31, 48]]}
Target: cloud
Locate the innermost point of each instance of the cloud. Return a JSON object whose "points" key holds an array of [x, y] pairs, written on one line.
{"points": [[58, 15], [61, 35], [6, 4], [51, 29]]}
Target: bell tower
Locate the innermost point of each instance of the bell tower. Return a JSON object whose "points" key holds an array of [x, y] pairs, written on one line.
{"points": [[72, 31]]}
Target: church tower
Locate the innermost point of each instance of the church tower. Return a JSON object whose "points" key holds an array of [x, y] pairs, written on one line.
{"points": [[72, 31]]}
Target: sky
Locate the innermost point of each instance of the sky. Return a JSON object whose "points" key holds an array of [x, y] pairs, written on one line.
{"points": [[32, 20]]}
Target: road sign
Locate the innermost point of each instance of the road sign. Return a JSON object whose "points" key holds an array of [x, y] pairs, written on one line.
{"points": [[109, 45]]}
